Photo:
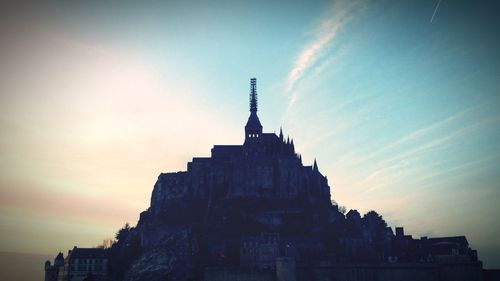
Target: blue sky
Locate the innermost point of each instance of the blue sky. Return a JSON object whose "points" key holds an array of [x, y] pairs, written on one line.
{"points": [[97, 99]]}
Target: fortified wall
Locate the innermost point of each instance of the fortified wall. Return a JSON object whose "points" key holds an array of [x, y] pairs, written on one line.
{"points": [[352, 272]]}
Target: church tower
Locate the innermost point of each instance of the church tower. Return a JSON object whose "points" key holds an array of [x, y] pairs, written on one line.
{"points": [[253, 128]]}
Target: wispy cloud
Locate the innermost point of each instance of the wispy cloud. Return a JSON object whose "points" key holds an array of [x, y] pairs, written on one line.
{"points": [[467, 166], [404, 164], [324, 35], [418, 135]]}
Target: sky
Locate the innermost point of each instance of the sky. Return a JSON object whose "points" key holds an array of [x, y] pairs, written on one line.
{"points": [[397, 100]]}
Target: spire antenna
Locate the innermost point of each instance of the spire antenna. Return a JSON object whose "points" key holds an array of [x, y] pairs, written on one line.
{"points": [[253, 95], [253, 128]]}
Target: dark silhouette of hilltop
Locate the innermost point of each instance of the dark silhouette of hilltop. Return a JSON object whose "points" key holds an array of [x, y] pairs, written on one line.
{"points": [[256, 212]]}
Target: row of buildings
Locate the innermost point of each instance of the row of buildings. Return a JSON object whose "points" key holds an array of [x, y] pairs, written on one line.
{"points": [[80, 264], [261, 251]]}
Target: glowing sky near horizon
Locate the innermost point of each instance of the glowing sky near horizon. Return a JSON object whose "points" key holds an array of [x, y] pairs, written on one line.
{"points": [[398, 102]]}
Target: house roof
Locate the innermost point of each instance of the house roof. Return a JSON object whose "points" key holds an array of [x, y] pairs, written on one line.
{"points": [[462, 240], [60, 256], [87, 253]]}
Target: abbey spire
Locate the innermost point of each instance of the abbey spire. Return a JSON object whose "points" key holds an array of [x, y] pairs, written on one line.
{"points": [[253, 128], [253, 95]]}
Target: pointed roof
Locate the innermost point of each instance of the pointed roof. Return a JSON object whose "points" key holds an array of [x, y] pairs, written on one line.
{"points": [[315, 166], [253, 121], [60, 256], [281, 133]]}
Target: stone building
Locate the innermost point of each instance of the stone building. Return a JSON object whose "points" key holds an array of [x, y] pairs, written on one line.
{"points": [[264, 167], [81, 263], [240, 190], [259, 251], [52, 271]]}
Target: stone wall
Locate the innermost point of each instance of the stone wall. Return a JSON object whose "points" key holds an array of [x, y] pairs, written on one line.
{"points": [[356, 272], [459, 272], [237, 274], [352, 272]]}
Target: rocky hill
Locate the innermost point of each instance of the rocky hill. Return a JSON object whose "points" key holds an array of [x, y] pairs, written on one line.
{"points": [[249, 204]]}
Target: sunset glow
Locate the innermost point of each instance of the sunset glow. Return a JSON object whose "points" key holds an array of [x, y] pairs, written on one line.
{"points": [[401, 111]]}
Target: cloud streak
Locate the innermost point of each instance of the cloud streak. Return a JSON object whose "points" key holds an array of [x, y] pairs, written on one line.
{"points": [[401, 165], [324, 34], [435, 10], [415, 136]]}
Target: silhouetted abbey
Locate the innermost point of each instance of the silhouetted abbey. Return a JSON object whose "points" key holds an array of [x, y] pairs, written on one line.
{"points": [[265, 169], [255, 212]]}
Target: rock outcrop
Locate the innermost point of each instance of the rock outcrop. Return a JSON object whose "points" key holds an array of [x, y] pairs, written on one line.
{"points": [[200, 217]]}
